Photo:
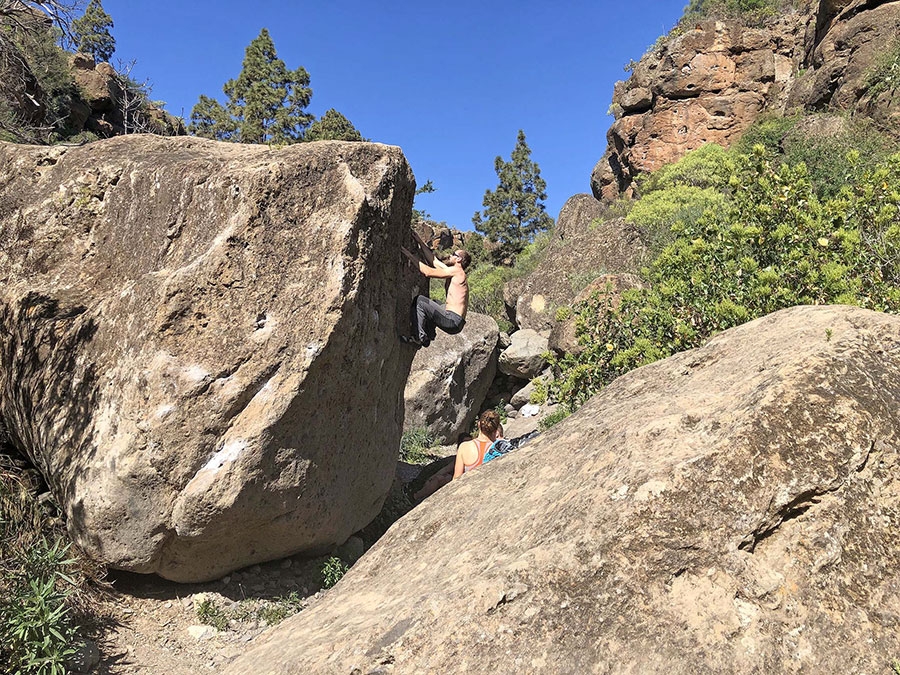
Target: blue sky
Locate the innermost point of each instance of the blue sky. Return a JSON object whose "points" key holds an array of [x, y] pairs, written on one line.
{"points": [[450, 83]]}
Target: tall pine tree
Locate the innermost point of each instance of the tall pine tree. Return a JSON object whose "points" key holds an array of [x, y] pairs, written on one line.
{"points": [[266, 102], [514, 212], [91, 32]]}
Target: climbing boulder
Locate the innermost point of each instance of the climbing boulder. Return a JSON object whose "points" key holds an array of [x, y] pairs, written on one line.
{"points": [[449, 380], [186, 330], [731, 509]]}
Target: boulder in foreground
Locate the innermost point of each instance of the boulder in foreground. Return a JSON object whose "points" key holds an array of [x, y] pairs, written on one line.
{"points": [[731, 509]]}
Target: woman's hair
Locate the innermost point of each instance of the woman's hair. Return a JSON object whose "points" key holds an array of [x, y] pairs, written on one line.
{"points": [[489, 422]]}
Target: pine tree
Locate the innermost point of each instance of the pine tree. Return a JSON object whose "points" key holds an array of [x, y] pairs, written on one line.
{"points": [[266, 101], [514, 212], [332, 126], [91, 32]]}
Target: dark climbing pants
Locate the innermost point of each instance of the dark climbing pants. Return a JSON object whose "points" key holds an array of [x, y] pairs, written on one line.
{"points": [[427, 314]]}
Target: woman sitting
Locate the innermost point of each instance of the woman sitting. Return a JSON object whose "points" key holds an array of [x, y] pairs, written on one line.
{"points": [[471, 453]]}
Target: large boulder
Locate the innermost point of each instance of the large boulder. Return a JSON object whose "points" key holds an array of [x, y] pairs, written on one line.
{"points": [[585, 244], [731, 509], [524, 358], [187, 329], [449, 380]]}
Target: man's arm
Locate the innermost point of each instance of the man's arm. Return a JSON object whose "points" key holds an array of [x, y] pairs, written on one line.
{"points": [[442, 272]]}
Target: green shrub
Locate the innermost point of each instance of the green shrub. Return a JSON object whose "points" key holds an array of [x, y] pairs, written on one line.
{"points": [[280, 608], [554, 418], [709, 166], [210, 614], [332, 571], [777, 244], [825, 156], [486, 283], [40, 582], [414, 445], [539, 393]]}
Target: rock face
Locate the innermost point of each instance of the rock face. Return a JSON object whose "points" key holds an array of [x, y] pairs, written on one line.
{"points": [[584, 246], [708, 83], [732, 509], [449, 380], [524, 358], [107, 108], [185, 328]]}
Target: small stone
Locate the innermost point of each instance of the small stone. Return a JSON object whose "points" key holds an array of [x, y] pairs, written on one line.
{"points": [[201, 632], [286, 564]]}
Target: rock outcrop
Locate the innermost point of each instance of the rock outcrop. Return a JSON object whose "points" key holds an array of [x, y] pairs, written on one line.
{"points": [[110, 106], [708, 82], [731, 509], [187, 329], [449, 380], [584, 245]]}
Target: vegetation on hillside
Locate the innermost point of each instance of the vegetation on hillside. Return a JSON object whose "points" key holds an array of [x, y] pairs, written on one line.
{"points": [[751, 11], [36, 85], [743, 233]]}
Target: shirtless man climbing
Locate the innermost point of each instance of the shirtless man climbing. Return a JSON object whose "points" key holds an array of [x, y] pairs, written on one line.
{"points": [[425, 313]]}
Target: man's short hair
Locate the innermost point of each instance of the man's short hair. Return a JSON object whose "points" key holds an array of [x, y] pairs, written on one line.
{"points": [[464, 258]]}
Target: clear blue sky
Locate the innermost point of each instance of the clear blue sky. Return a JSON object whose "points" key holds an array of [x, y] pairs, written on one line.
{"points": [[450, 83]]}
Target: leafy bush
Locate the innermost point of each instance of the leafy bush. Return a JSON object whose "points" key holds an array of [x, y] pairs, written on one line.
{"points": [[414, 445], [789, 140], [210, 614], [777, 244], [486, 283], [40, 581], [539, 393], [332, 571]]}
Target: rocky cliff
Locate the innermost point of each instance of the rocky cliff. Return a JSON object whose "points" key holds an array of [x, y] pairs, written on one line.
{"points": [[708, 82], [187, 329]]}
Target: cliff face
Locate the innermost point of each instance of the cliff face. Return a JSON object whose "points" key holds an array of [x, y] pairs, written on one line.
{"points": [[708, 82]]}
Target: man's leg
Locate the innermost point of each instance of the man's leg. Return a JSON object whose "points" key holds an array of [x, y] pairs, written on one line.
{"points": [[435, 315], [423, 310]]}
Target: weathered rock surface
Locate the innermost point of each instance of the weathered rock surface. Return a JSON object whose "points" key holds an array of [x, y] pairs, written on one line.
{"points": [[185, 329], [449, 380], [583, 247], [708, 83], [524, 358], [732, 509]]}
